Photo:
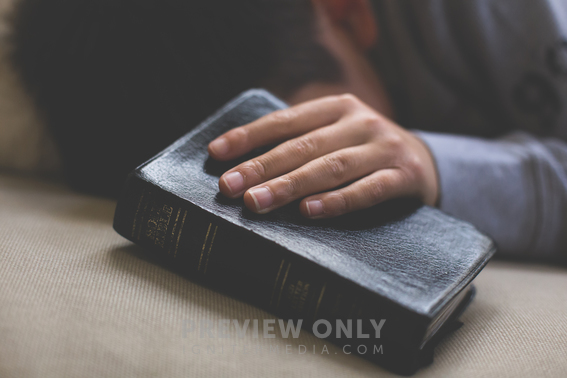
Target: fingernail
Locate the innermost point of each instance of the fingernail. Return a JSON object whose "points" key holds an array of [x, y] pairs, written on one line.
{"points": [[234, 181], [314, 208], [219, 146], [262, 198]]}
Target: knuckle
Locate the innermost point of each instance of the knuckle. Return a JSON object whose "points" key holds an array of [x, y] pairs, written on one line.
{"points": [[238, 135], [282, 118], [348, 100], [338, 165], [293, 185], [256, 167], [303, 147], [372, 123], [376, 190], [340, 201], [395, 142]]}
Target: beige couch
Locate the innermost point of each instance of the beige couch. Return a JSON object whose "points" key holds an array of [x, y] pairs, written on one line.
{"points": [[77, 300]]}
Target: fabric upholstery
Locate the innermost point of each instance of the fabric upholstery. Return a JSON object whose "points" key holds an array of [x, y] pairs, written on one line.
{"points": [[78, 300]]}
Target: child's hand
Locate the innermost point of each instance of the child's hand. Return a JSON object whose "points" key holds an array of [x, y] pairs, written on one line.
{"points": [[327, 142]]}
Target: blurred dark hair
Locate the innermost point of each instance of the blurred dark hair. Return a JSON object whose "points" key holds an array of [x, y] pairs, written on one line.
{"points": [[118, 80]]}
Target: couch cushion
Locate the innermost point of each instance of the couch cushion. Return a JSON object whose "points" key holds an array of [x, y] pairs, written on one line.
{"points": [[78, 300]]}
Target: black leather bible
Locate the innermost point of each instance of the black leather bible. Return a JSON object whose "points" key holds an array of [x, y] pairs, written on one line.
{"points": [[402, 262]]}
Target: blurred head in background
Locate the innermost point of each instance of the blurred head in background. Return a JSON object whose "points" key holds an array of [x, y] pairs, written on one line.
{"points": [[118, 80]]}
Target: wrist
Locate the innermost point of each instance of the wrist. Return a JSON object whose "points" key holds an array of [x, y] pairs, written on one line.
{"points": [[431, 187]]}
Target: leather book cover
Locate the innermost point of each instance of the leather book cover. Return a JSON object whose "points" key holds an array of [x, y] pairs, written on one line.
{"points": [[409, 264]]}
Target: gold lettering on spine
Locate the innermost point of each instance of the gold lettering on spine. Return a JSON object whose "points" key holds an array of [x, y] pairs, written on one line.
{"points": [[283, 283], [319, 301], [204, 244], [158, 224], [143, 215], [276, 283], [173, 232], [297, 294], [179, 234], [209, 251]]}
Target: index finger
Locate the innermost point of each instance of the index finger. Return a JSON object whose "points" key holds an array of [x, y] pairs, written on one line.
{"points": [[279, 126]]}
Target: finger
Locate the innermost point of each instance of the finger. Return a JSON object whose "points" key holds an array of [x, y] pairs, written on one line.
{"points": [[290, 155], [278, 126], [378, 187], [318, 175]]}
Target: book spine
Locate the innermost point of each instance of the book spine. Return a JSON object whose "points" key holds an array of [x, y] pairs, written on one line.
{"points": [[209, 250]]}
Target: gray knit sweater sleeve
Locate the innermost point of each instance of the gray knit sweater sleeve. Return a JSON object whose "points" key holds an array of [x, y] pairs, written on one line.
{"points": [[514, 188], [486, 82]]}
